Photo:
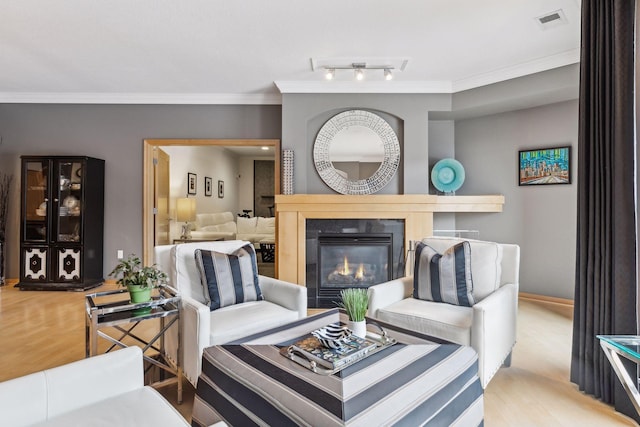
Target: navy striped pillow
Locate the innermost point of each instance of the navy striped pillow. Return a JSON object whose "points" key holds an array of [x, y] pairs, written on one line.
{"points": [[230, 278], [444, 277]]}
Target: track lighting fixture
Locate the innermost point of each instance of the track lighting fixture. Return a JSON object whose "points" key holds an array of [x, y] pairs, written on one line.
{"points": [[358, 69]]}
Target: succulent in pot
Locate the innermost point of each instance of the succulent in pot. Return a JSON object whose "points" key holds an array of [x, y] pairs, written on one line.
{"points": [[138, 279]]}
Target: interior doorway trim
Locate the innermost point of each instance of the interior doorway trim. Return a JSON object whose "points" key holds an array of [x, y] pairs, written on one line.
{"points": [[147, 178]]}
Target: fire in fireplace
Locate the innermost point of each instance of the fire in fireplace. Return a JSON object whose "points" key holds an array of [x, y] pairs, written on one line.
{"points": [[346, 273]]}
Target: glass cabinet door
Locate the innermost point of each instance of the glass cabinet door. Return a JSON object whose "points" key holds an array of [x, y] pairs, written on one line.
{"points": [[36, 201], [68, 190]]}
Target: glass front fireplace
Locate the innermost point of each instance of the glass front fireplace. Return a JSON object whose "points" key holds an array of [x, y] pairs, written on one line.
{"points": [[350, 253], [353, 260]]}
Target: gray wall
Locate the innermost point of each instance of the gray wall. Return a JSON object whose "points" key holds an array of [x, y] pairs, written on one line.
{"points": [[541, 219], [304, 114], [115, 133]]}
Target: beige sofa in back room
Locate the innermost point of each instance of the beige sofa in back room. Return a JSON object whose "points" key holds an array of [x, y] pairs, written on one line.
{"points": [[214, 226], [226, 226]]}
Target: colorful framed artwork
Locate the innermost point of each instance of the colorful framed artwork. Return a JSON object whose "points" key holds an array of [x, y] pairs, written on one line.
{"points": [[544, 166], [208, 182], [220, 189], [191, 183]]}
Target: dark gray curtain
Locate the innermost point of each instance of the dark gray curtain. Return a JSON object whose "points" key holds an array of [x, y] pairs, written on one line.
{"points": [[606, 283]]}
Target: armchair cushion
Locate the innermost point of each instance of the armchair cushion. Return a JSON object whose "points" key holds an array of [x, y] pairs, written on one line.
{"points": [[445, 321], [247, 319], [486, 263], [444, 277], [229, 279]]}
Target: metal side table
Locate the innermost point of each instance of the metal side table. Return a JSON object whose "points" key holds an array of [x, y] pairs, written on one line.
{"points": [[627, 346], [112, 309]]}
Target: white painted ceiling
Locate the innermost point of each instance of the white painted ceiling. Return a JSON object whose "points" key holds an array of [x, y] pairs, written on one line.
{"points": [[225, 51]]}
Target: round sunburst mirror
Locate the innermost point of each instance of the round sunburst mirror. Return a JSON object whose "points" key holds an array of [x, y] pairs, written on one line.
{"points": [[356, 152]]}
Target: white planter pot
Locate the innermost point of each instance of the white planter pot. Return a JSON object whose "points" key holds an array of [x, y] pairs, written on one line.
{"points": [[358, 328]]}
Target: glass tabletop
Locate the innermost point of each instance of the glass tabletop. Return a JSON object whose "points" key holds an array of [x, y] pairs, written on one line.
{"points": [[113, 307], [629, 344]]}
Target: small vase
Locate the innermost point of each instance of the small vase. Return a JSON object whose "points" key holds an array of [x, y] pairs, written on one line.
{"points": [[358, 328], [139, 294]]}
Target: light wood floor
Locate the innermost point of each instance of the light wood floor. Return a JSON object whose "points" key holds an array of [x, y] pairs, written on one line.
{"points": [[40, 330]]}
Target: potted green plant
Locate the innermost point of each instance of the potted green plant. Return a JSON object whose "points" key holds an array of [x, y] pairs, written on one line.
{"points": [[139, 280], [355, 302]]}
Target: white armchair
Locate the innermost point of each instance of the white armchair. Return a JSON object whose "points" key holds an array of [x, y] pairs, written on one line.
{"points": [[283, 303], [489, 326]]}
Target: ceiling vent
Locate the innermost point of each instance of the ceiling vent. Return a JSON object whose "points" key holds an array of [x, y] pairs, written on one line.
{"points": [[552, 19]]}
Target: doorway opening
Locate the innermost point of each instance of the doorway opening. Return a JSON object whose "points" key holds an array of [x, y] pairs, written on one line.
{"points": [[153, 199]]}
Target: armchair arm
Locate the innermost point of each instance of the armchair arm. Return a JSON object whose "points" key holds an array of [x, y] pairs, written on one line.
{"points": [[387, 293], [195, 329], [493, 331], [286, 294]]}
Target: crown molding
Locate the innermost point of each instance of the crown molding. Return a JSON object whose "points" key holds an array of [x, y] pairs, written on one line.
{"points": [[323, 86], [140, 98], [519, 70]]}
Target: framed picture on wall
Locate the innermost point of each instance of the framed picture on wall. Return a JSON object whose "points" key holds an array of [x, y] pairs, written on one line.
{"points": [[191, 183], [208, 182], [220, 189], [544, 166]]}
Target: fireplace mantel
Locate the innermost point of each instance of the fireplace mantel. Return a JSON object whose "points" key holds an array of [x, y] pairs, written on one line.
{"points": [[416, 210]]}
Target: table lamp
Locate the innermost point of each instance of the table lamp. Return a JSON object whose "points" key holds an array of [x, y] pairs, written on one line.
{"points": [[185, 212]]}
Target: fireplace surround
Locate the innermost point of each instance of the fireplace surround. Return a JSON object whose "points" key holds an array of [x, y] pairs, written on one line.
{"points": [[416, 210]]}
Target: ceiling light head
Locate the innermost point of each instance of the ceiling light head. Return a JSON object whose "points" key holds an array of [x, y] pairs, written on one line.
{"points": [[330, 73], [264, 148], [388, 75], [359, 73]]}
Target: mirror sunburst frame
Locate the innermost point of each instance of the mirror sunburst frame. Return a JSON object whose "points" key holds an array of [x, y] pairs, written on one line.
{"points": [[355, 127]]}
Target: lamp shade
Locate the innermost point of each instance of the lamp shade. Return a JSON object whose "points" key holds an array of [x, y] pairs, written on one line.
{"points": [[185, 209]]}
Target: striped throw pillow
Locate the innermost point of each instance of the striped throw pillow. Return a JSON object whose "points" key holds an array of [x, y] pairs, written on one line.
{"points": [[229, 278], [443, 277]]}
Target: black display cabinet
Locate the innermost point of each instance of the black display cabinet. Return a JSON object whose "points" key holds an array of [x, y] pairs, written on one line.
{"points": [[62, 221]]}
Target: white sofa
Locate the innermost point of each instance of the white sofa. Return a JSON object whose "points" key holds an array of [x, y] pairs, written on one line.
{"points": [[213, 226], [224, 226], [489, 326], [106, 390], [256, 229], [283, 303]]}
